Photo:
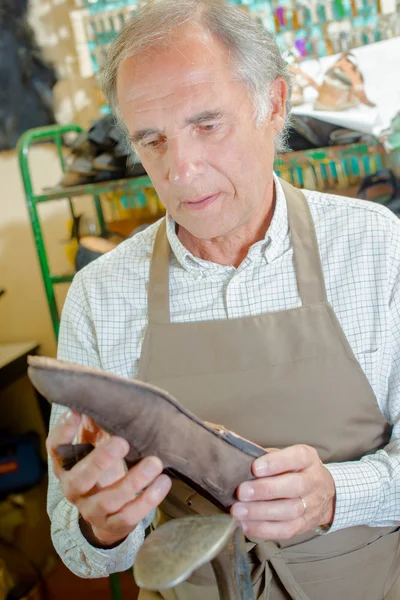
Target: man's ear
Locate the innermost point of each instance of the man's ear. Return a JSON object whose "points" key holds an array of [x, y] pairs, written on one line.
{"points": [[278, 96]]}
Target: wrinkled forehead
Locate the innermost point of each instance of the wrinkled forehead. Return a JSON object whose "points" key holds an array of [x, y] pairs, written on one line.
{"points": [[191, 60]]}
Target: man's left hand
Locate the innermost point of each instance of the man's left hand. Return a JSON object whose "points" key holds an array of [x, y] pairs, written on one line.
{"points": [[293, 493]]}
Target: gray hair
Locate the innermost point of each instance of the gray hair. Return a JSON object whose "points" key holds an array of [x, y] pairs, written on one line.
{"points": [[257, 58]]}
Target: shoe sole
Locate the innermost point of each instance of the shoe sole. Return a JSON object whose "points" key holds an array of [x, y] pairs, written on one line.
{"points": [[213, 461]]}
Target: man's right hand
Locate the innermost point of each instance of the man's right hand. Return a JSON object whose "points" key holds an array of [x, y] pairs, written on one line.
{"points": [[109, 499]]}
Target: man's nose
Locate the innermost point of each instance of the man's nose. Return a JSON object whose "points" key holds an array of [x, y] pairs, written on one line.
{"points": [[184, 165]]}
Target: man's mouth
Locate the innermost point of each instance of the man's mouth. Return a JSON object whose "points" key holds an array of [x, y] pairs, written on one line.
{"points": [[202, 202]]}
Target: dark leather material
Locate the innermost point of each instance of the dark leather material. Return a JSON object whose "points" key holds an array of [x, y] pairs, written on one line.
{"points": [[71, 454], [210, 459]]}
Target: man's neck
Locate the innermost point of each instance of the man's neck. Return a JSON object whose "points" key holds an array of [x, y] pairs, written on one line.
{"points": [[232, 249]]}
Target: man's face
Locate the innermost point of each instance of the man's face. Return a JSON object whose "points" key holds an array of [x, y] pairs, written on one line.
{"points": [[192, 123]]}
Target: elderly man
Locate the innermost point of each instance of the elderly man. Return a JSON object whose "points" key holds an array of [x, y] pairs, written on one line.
{"points": [[268, 310]]}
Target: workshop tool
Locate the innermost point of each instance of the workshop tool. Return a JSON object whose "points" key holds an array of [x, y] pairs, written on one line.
{"points": [[171, 554]]}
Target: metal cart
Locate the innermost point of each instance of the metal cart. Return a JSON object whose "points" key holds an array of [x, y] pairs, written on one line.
{"points": [[56, 135]]}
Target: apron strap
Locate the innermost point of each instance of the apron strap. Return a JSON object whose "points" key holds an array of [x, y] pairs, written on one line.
{"points": [[158, 293], [307, 261], [270, 555]]}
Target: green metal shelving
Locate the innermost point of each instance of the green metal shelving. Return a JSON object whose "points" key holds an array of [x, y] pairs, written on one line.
{"points": [[55, 134], [310, 29]]}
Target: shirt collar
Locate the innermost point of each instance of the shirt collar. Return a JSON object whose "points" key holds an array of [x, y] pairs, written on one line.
{"points": [[270, 246], [279, 227]]}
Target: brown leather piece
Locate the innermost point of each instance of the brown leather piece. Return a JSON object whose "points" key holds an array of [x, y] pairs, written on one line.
{"points": [[71, 454], [212, 461], [343, 86]]}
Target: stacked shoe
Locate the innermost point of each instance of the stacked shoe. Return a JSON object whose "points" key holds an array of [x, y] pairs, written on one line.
{"points": [[342, 87], [382, 187], [100, 154]]}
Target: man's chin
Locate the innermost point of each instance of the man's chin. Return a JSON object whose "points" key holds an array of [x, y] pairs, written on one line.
{"points": [[205, 231]]}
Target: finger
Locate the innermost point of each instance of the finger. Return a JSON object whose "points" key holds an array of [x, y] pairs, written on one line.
{"points": [[90, 432], [289, 485], [275, 510], [63, 432], [136, 511], [274, 531], [99, 505], [85, 475], [294, 458]]}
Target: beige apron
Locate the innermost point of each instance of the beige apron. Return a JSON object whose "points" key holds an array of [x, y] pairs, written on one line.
{"points": [[277, 379]]}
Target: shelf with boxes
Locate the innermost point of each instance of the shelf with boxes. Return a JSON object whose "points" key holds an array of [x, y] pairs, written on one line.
{"points": [[309, 28], [317, 28]]}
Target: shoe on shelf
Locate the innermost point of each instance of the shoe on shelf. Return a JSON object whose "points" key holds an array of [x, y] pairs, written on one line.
{"points": [[381, 187], [70, 179], [99, 133], [107, 162], [82, 166], [343, 86], [300, 81], [99, 155]]}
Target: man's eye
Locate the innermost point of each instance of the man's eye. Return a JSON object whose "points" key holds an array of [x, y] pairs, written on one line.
{"points": [[209, 128], [153, 144]]}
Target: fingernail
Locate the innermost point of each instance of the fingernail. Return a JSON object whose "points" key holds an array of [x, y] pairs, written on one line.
{"points": [[240, 511], [116, 447], [261, 469], [162, 485], [150, 467], [246, 492], [67, 417]]}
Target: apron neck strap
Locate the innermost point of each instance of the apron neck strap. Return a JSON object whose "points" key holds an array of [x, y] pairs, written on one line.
{"points": [[310, 278], [158, 293], [307, 261]]}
